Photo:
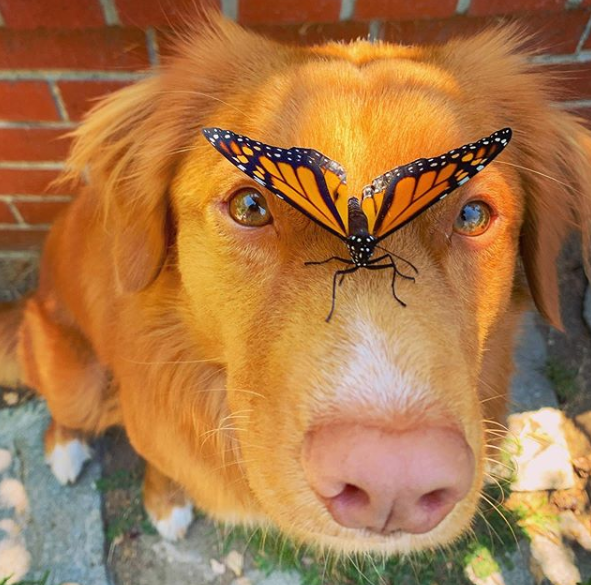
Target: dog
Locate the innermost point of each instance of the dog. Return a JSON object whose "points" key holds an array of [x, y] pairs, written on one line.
{"points": [[200, 330]]}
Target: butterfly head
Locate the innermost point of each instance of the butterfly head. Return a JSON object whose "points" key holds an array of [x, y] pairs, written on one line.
{"points": [[361, 247]]}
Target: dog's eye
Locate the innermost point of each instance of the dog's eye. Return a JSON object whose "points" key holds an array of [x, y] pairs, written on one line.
{"points": [[249, 207], [474, 219]]}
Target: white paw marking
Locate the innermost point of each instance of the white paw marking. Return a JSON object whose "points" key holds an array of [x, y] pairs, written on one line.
{"points": [[66, 460], [175, 525]]}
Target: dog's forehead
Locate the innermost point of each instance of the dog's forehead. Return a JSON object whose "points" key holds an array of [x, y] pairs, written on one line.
{"points": [[371, 119]]}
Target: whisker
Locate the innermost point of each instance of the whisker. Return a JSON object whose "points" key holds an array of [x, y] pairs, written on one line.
{"points": [[496, 508], [502, 162]]}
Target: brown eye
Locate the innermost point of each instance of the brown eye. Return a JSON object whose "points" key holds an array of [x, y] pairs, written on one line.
{"points": [[248, 207], [474, 219]]}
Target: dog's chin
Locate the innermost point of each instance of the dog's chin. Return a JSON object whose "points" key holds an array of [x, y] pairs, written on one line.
{"points": [[329, 537]]}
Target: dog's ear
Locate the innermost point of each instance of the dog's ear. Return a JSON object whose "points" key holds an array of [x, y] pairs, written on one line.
{"points": [[123, 154], [557, 183], [129, 146], [550, 149]]}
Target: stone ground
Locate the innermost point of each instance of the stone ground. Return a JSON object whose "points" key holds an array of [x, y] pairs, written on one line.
{"points": [[94, 533]]}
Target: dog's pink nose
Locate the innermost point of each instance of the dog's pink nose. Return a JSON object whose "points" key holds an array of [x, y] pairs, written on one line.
{"points": [[387, 481]]}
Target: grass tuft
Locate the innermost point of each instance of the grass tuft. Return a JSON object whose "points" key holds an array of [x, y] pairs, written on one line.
{"points": [[495, 534], [563, 379]]}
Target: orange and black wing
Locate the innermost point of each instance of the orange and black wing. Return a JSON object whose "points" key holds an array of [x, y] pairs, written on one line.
{"points": [[304, 178], [397, 197]]}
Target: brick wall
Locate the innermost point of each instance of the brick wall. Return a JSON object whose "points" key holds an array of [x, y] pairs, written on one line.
{"points": [[57, 55]]}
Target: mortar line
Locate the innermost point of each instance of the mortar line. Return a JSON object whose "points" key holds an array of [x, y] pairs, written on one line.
{"points": [[40, 198], [347, 9], [581, 57], [375, 31], [26, 165], [584, 36], [110, 13], [17, 227], [56, 94], [152, 46], [17, 214], [57, 125], [230, 9], [463, 6], [69, 75]]}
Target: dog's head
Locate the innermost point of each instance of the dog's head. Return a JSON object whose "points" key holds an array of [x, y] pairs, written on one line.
{"points": [[368, 432]]}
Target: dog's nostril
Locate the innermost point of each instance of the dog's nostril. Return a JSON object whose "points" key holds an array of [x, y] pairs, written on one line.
{"points": [[352, 496], [435, 499]]}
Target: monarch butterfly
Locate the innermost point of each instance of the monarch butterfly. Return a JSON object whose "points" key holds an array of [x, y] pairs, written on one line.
{"points": [[316, 186]]}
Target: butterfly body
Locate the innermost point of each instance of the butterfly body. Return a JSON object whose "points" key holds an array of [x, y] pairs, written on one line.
{"points": [[316, 186], [360, 243]]}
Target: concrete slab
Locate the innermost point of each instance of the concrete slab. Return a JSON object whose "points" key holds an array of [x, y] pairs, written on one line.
{"points": [[530, 389], [60, 527]]}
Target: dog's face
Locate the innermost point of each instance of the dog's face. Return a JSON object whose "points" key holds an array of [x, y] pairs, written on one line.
{"points": [[377, 364], [368, 432]]}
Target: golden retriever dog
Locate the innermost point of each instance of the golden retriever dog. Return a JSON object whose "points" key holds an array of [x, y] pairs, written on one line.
{"points": [[174, 299]]}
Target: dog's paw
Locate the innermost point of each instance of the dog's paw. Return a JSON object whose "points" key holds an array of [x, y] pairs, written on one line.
{"points": [[174, 526], [67, 460]]}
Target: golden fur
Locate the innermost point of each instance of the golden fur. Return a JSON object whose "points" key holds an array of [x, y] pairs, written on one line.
{"points": [[207, 340]]}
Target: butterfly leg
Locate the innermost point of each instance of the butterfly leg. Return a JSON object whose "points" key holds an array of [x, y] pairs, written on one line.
{"points": [[391, 254], [342, 274], [344, 260], [396, 270], [395, 273]]}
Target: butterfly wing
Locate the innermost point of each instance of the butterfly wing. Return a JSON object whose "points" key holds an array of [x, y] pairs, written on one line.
{"points": [[306, 179], [398, 196]]}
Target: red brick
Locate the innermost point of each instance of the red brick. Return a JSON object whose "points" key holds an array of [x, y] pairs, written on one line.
{"points": [[288, 12], [144, 13], [26, 181], [484, 7], [107, 48], [553, 33], [35, 212], [404, 10], [574, 79], [26, 101], [80, 96], [22, 239], [54, 14], [6, 215], [32, 144], [305, 34]]}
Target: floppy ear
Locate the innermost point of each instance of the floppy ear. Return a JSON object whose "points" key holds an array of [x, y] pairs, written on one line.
{"points": [[558, 201], [130, 145], [121, 151], [550, 150]]}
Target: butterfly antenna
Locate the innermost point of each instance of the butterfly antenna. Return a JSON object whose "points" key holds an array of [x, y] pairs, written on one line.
{"points": [[399, 258]]}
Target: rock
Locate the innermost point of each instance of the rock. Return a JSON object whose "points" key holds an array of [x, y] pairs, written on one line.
{"points": [[5, 460], [540, 451], [13, 495], [574, 529], [235, 562], [217, 567], [551, 559]]}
